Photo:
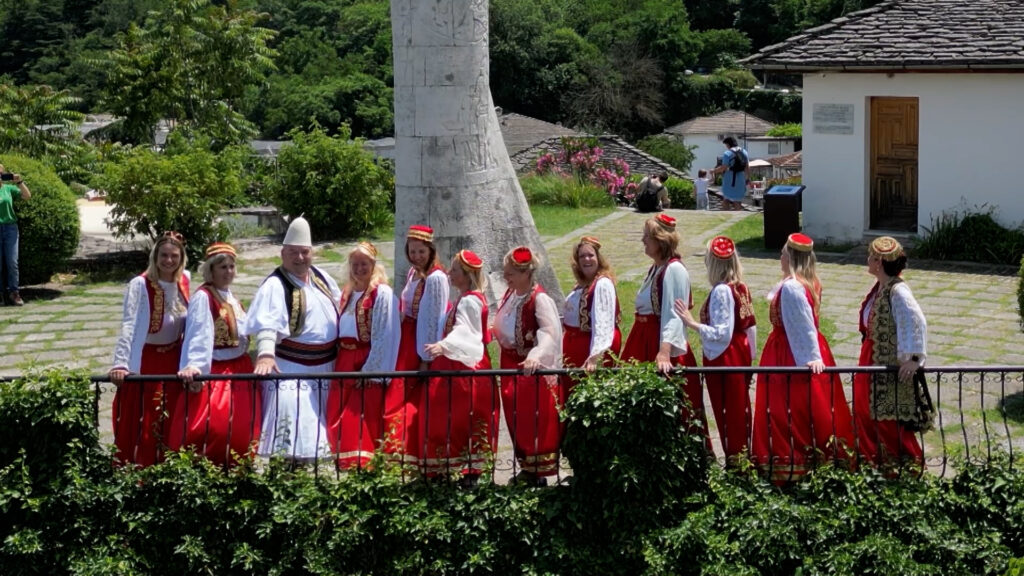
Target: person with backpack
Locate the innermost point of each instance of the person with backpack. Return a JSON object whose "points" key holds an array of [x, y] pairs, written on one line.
{"points": [[651, 194], [734, 174]]}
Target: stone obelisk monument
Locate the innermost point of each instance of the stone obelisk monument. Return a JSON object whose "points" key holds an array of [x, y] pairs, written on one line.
{"points": [[452, 171]]}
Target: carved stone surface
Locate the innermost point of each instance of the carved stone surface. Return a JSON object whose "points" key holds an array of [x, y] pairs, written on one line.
{"points": [[452, 171]]}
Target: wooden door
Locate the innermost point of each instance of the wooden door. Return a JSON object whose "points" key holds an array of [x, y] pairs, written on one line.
{"points": [[893, 164]]}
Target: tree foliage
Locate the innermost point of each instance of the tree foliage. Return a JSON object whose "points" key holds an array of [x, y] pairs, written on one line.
{"points": [[334, 182], [185, 188], [190, 63], [40, 122]]}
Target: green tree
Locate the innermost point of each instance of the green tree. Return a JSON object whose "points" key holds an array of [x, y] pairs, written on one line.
{"points": [[787, 130], [190, 63], [334, 182], [663, 146], [38, 121], [185, 188]]}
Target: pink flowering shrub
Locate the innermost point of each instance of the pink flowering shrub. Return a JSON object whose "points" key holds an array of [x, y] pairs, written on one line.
{"points": [[581, 158]]}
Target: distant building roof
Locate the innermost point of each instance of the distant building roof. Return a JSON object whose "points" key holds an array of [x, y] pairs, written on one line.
{"points": [[521, 132], [727, 122], [794, 160], [907, 34]]}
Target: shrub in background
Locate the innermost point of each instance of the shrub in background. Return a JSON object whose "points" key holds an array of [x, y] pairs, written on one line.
{"points": [[562, 190], [48, 223], [185, 188], [971, 237], [583, 160], [681, 194], [334, 182]]}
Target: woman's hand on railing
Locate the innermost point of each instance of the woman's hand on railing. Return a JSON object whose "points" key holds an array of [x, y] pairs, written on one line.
{"points": [[117, 376], [187, 375], [908, 368], [530, 366], [816, 366]]}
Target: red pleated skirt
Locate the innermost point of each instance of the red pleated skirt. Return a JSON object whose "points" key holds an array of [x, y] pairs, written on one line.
{"points": [[355, 409], [460, 420], [222, 421], [530, 404], [402, 401], [576, 350], [642, 345], [730, 399], [799, 420], [879, 441], [140, 427]]}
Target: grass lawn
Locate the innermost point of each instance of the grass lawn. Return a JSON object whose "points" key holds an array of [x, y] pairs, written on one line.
{"points": [[560, 220]]}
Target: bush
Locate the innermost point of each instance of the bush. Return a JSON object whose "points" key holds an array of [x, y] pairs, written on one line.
{"points": [[971, 237], [48, 224], [681, 194], [335, 183], [185, 189], [678, 155], [562, 190]]}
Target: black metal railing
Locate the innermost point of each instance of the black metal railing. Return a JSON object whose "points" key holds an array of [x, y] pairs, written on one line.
{"points": [[473, 422]]}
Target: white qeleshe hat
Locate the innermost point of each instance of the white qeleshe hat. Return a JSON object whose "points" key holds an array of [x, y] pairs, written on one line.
{"points": [[298, 233]]}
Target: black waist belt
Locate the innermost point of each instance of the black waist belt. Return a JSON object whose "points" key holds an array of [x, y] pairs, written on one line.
{"points": [[307, 354]]}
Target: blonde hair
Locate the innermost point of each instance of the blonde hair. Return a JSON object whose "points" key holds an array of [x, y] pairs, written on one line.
{"points": [[477, 280], [727, 270], [153, 270], [668, 240], [604, 268], [803, 267], [378, 277], [206, 268]]}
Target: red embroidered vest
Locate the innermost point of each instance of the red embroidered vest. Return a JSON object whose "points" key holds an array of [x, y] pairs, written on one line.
{"points": [[449, 323], [860, 317], [225, 324], [526, 321], [743, 311], [586, 310], [418, 294], [156, 300], [363, 312]]}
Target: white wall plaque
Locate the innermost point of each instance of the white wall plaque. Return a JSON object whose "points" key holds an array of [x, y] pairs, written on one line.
{"points": [[832, 119]]}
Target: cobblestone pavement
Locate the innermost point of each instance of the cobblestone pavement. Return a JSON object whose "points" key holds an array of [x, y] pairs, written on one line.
{"points": [[971, 311]]}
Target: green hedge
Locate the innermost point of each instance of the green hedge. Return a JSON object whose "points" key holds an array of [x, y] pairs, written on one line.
{"points": [[48, 223], [644, 501]]}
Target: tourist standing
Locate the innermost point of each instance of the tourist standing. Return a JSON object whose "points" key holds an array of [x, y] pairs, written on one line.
{"points": [[11, 189]]}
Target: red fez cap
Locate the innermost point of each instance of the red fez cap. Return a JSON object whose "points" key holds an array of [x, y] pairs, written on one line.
{"points": [[522, 255], [666, 221], [421, 232], [221, 248], [800, 242], [722, 247], [470, 259]]}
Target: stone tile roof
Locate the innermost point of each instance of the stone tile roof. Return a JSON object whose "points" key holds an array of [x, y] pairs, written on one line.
{"points": [[727, 122], [521, 132], [907, 34], [640, 162], [792, 160]]}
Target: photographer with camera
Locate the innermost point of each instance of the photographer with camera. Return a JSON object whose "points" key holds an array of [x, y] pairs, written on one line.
{"points": [[11, 187]]}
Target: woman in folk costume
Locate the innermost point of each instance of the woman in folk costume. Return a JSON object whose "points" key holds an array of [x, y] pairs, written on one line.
{"points": [[294, 320], [530, 335], [799, 419], [220, 418], [424, 305], [728, 335], [155, 304], [461, 413], [368, 335], [658, 334], [895, 333], [591, 321]]}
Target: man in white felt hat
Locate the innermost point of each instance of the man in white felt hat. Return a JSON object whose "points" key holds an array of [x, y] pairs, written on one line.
{"points": [[294, 321]]}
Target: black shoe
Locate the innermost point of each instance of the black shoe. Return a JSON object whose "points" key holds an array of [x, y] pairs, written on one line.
{"points": [[14, 299]]}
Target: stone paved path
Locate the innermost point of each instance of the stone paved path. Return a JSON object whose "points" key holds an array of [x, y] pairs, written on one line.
{"points": [[971, 311]]}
